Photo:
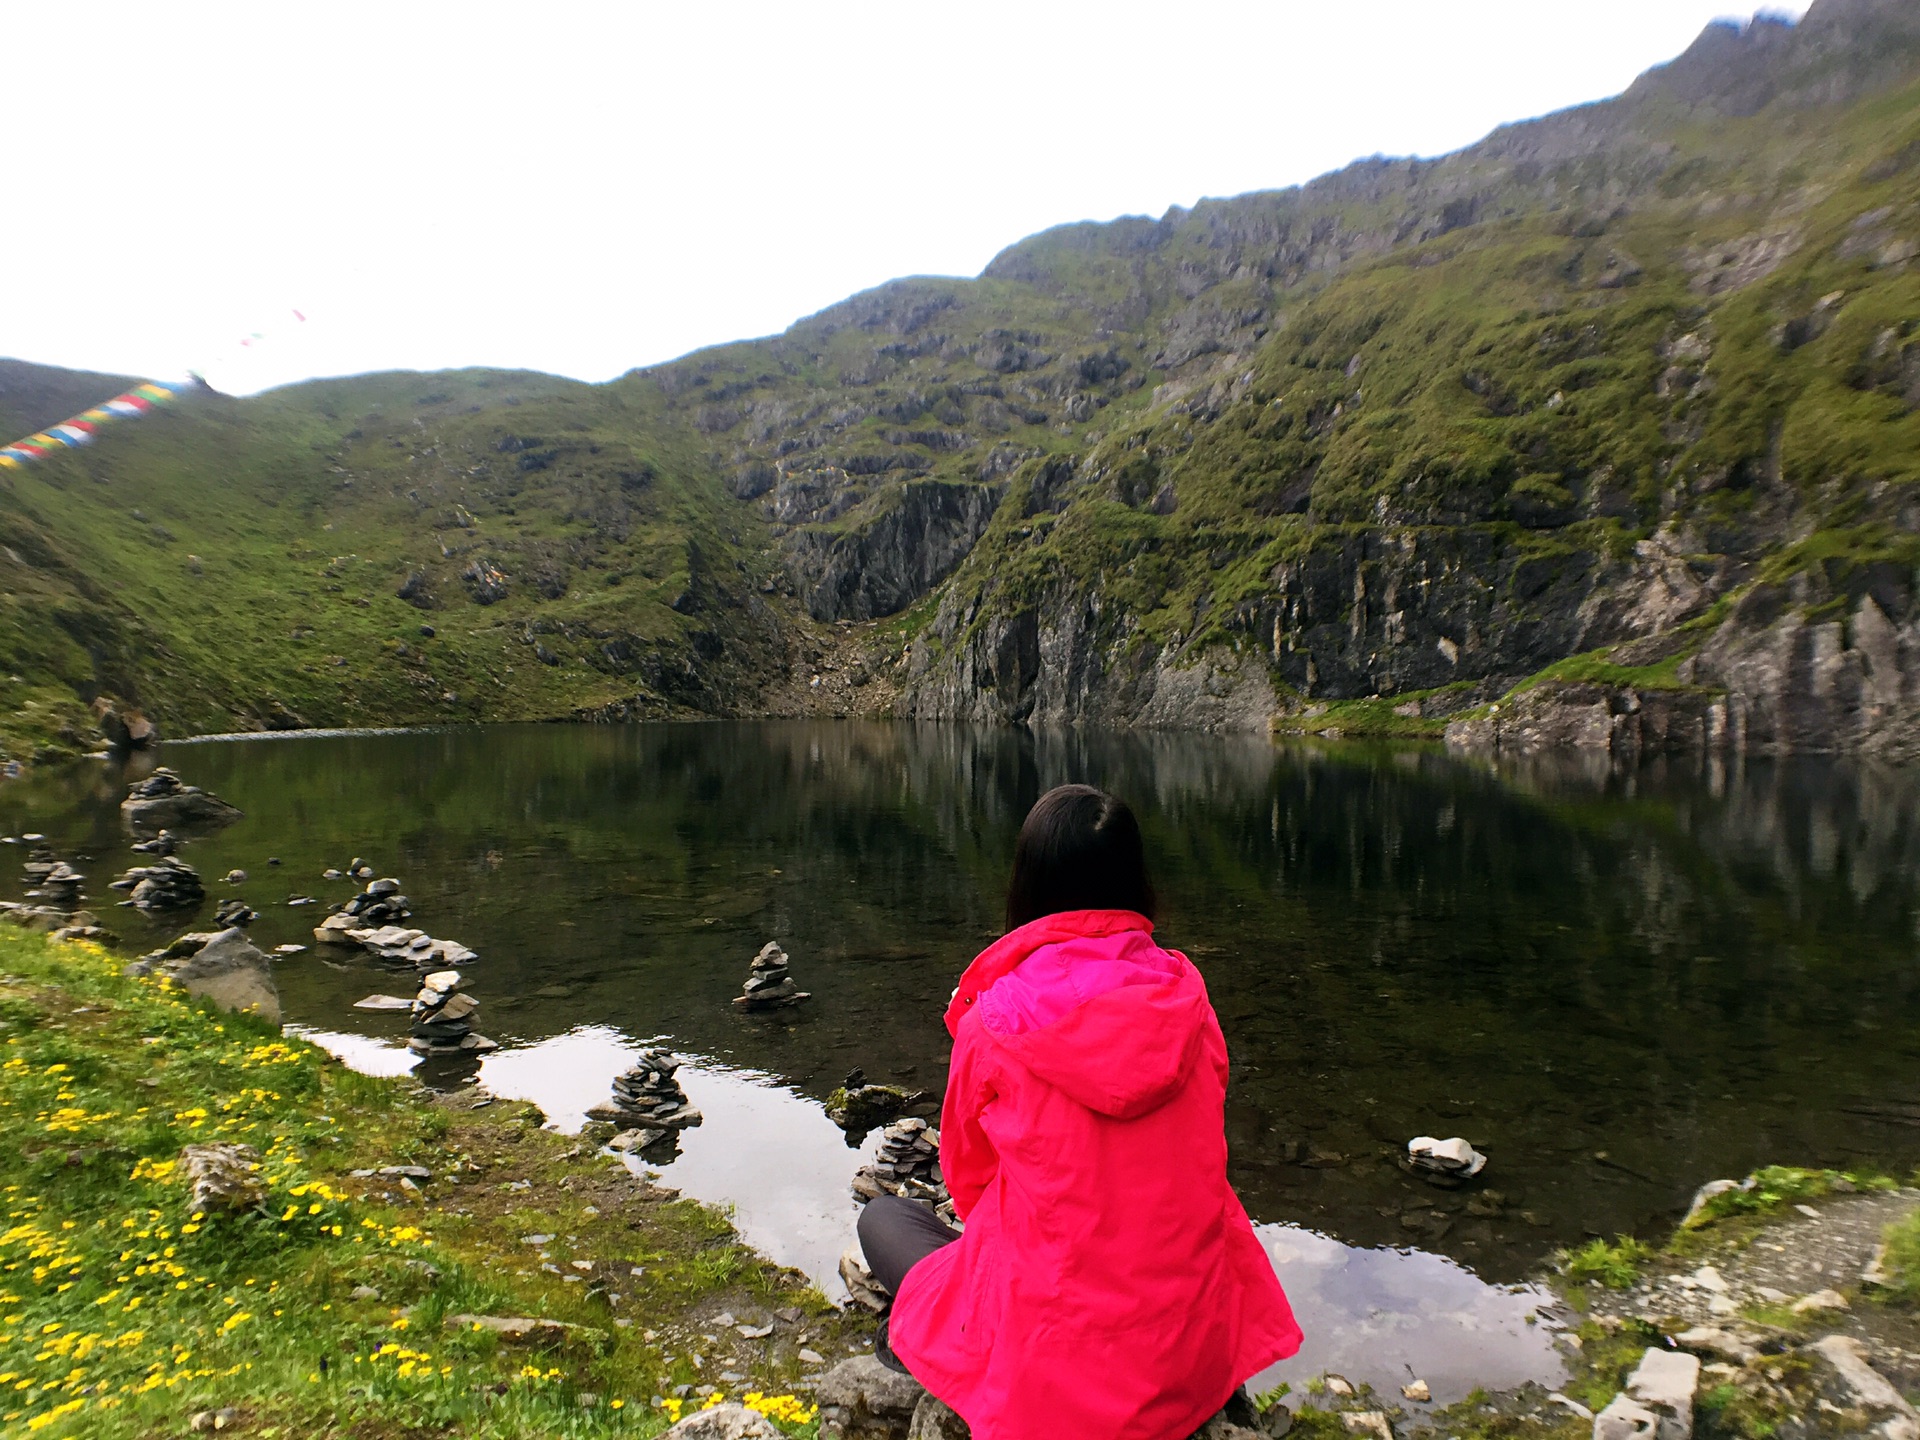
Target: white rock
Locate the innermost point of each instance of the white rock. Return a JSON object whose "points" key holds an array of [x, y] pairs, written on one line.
{"points": [[1452, 1157], [723, 1422], [1708, 1278], [1626, 1419], [1570, 1403], [1821, 1300], [1706, 1193], [1369, 1422], [1864, 1388], [1657, 1403]]}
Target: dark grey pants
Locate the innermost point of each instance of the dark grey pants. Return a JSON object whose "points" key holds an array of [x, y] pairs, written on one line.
{"points": [[896, 1235]]}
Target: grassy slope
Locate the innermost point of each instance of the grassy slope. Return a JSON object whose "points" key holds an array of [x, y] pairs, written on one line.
{"points": [[241, 559], [121, 1315]]}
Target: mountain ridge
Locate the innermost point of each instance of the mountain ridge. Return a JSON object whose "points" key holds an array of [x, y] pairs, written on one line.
{"points": [[1594, 381]]}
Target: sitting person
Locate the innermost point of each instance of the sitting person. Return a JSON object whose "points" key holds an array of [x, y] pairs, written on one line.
{"points": [[1108, 1285]]}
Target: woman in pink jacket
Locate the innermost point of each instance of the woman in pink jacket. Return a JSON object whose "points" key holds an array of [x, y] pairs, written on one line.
{"points": [[1108, 1285]]}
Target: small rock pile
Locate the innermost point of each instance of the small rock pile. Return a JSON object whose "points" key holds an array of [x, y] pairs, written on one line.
{"points": [[167, 884], [648, 1098], [443, 1018], [769, 985], [907, 1165], [53, 881], [235, 913], [395, 944], [165, 843], [381, 903]]}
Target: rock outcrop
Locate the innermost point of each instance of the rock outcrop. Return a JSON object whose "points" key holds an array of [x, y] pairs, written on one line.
{"points": [[224, 967], [164, 801]]}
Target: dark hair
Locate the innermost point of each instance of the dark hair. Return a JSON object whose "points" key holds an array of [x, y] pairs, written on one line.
{"points": [[1078, 850]]}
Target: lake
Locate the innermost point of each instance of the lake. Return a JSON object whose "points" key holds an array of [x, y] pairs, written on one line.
{"points": [[1617, 983]]}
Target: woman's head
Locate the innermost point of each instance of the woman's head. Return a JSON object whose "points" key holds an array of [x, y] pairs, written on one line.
{"points": [[1078, 850]]}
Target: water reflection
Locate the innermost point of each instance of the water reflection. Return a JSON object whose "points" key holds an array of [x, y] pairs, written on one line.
{"points": [[1616, 983], [772, 1158]]}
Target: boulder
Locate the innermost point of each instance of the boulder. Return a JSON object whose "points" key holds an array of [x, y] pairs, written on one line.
{"points": [[862, 1397], [724, 1422], [1848, 1381], [933, 1419], [232, 973], [164, 801], [125, 728], [222, 1178], [1657, 1403]]}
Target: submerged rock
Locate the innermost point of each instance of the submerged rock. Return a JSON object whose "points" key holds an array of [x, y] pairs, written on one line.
{"points": [[1446, 1163], [857, 1108], [164, 800]]}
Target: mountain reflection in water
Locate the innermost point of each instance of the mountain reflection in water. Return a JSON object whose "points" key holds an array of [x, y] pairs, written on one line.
{"points": [[1617, 983]]}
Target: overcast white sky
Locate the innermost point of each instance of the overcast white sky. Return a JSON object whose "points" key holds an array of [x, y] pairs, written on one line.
{"points": [[586, 187]]}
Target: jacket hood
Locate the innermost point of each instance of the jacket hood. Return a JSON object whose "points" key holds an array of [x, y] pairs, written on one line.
{"points": [[1111, 1019]]}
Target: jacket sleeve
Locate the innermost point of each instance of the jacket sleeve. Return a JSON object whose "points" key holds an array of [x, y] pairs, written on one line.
{"points": [[968, 1160]]}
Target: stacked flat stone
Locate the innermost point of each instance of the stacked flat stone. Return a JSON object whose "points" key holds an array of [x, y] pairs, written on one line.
{"points": [[647, 1097], [165, 843], [769, 986], [235, 913], [53, 882], [167, 884], [381, 903], [443, 1018], [907, 1165], [395, 944]]}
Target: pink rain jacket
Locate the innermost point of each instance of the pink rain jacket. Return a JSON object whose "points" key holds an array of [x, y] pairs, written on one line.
{"points": [[1109, 1285]]}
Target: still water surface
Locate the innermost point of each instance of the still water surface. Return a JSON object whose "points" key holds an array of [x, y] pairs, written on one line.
{"points": [[1617, 984]]}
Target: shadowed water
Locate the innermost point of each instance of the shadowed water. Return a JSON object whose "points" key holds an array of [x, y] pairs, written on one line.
{"points": [[1617, 984]]}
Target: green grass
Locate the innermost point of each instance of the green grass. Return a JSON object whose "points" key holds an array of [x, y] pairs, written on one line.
{"points": [[122, 1313], [1902, 1260], [1615, 1265]]}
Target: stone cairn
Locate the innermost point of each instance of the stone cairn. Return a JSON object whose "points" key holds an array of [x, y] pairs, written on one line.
{"points": [[235, 914], [381, 903], [167, 884], [443, 1018], [53, 881], [369, 921], [165, 843], [648, 1103], [769, 986], [907, 1165]]}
